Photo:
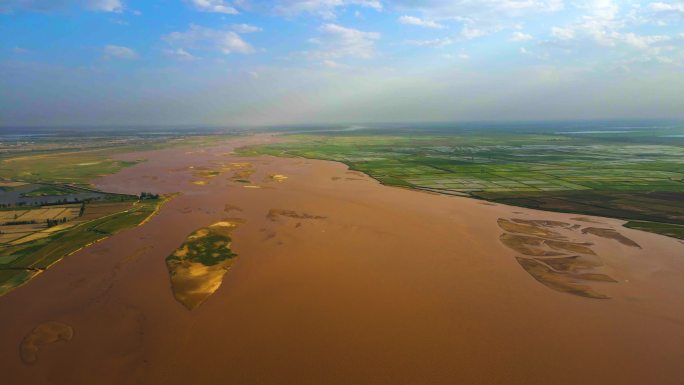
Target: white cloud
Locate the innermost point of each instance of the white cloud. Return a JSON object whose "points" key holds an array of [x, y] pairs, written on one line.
{"points": [[326, 9], [480, 18], [598, 23], [602, 9], [604, 25], [563, 33], [179, 54], [661, 13], [437, 43], [210, 39], [119, 52], [214, 6], [460, 56], [480, 10], [527, 52], [337, 41], [676, 7], [643, 41], [469, 32], [609, 25], [246, 28], [105, 5], [56, 5], [521, 36], [331, 63], [412, 20]]}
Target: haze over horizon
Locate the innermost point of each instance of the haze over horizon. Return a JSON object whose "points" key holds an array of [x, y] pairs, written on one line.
{"points": [[221, 62]]}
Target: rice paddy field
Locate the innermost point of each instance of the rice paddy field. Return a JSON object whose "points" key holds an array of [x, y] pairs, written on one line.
{"points": [[634, 175]]}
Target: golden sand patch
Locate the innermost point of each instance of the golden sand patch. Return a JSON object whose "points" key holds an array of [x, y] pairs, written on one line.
{"points": [[4, 183], [239, 165], [563, 281], [278, 178], [197, 267], [610, 234], [273, 214], [527, 245], [44, 334], [228, 208], [585, 219], [573, 264], [554, 260], [543, 223], [572, 247], [524, 227], [241, 170], [206, 173], [200, 182], [226, 224], [242, 174]]}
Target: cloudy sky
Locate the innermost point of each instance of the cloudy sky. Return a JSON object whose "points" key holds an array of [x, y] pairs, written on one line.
{"points": [[326, 61]]}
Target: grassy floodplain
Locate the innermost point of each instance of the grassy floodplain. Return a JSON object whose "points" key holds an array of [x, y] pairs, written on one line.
{"points": [[49, 209], [635, 175], [22, 260], [72, 158]]}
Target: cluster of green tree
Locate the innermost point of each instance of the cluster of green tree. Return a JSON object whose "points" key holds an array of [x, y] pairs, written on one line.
{"points": [[55, 222], [14, 223], [44, 203], [148, 195], [60, 202]]}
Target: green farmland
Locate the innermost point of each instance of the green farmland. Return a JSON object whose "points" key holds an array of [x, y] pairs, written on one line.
{"points": [[610, 176], [22, 260]]}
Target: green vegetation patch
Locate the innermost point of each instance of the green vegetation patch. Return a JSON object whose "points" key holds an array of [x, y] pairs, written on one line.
{"points": [[616, 176], [87, 158], [208, 246], [46, 190], [670, 230], [78, 167], [21, 262]]}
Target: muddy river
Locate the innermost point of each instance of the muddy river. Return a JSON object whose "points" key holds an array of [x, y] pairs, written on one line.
{"points": [[340, 280]]}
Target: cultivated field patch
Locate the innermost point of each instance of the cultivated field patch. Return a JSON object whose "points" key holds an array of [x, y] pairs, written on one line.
{"points": [[612, 177]]}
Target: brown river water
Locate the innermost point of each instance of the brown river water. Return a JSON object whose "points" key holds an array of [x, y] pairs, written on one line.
{"points": [[349, 282]]}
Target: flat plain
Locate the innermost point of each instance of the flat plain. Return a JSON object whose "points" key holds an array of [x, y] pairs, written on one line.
{"points": [[341, 279], [49, 209], [629, 175]]}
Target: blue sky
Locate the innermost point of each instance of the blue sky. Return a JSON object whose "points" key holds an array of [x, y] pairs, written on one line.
{"points": [[307, 61]]}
